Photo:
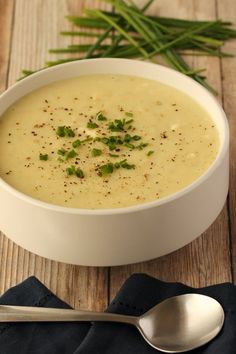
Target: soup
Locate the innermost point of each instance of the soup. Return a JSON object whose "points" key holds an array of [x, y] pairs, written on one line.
{"points": [[105, 141]]}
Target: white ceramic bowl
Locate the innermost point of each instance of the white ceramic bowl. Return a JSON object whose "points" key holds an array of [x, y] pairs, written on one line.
{"points": [[126, 235]]}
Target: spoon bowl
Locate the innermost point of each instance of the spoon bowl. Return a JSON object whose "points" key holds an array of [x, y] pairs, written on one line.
{"points": [[182, 323], [176, 325]]}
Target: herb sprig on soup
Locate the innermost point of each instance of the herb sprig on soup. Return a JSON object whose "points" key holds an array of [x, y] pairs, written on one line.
{"points": [[105, 141]]}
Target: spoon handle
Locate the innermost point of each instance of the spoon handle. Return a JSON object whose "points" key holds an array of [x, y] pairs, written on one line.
{"points": [[43, 314]]}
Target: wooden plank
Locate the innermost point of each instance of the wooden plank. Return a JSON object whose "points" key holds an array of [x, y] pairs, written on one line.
{"points": [[6, 27], [206, 260], [227, 11], [36, 27], [6, 23]]}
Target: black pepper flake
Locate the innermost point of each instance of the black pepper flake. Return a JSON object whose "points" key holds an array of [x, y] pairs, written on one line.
{"points": [[163, 135]]}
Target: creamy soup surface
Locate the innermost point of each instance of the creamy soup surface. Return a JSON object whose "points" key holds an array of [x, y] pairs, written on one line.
{"points": [[105, 141]]}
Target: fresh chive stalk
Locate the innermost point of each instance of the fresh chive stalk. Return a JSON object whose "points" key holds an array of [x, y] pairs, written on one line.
{"points": [[127, 32]]}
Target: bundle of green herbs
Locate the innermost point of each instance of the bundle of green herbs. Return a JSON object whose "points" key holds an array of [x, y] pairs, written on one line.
{"points": [[127, 32]]}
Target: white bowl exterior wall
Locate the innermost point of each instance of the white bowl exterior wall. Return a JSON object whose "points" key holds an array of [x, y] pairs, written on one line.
{"points": [[119, 236]]}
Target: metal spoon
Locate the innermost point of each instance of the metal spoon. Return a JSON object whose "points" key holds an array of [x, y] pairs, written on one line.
{"points": [[176, 325]]}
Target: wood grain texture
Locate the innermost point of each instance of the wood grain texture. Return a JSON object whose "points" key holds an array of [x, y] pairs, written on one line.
{"points": [[6, 26], [27, 30], [227, 10]]}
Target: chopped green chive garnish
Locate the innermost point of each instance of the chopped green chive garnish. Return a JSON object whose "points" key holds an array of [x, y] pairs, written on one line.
{"points": [[111, 146], [115, 140], [113, 155], [64, 131], [71, 154], [61, 152], [92, 125], [100, 116], [43, 157], [127, 138], [97, 138], [129, 121], [96, 152], [105, 170], [61, 131], [136, 137], [116, 127], [129, 114], [117, 165], [70, 170], [130, 146], [141, 146], [104, 140], [76, 143], [128, 166], [75, 171], [150, 152], [112, 142], [125, 164], [119, 125], [79, 173]]}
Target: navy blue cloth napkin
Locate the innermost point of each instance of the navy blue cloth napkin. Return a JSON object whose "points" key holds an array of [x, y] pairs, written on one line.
{"points": [[139, 293]]}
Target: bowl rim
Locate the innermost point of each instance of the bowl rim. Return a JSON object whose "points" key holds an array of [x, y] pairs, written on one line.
{"points": [[138, 207]]}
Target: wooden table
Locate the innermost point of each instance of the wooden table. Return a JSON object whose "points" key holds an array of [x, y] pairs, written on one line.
{"points": [[28, 28]]}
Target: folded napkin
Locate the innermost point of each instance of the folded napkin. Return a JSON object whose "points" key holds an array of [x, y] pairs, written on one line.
{"points": [[139, 293]]}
